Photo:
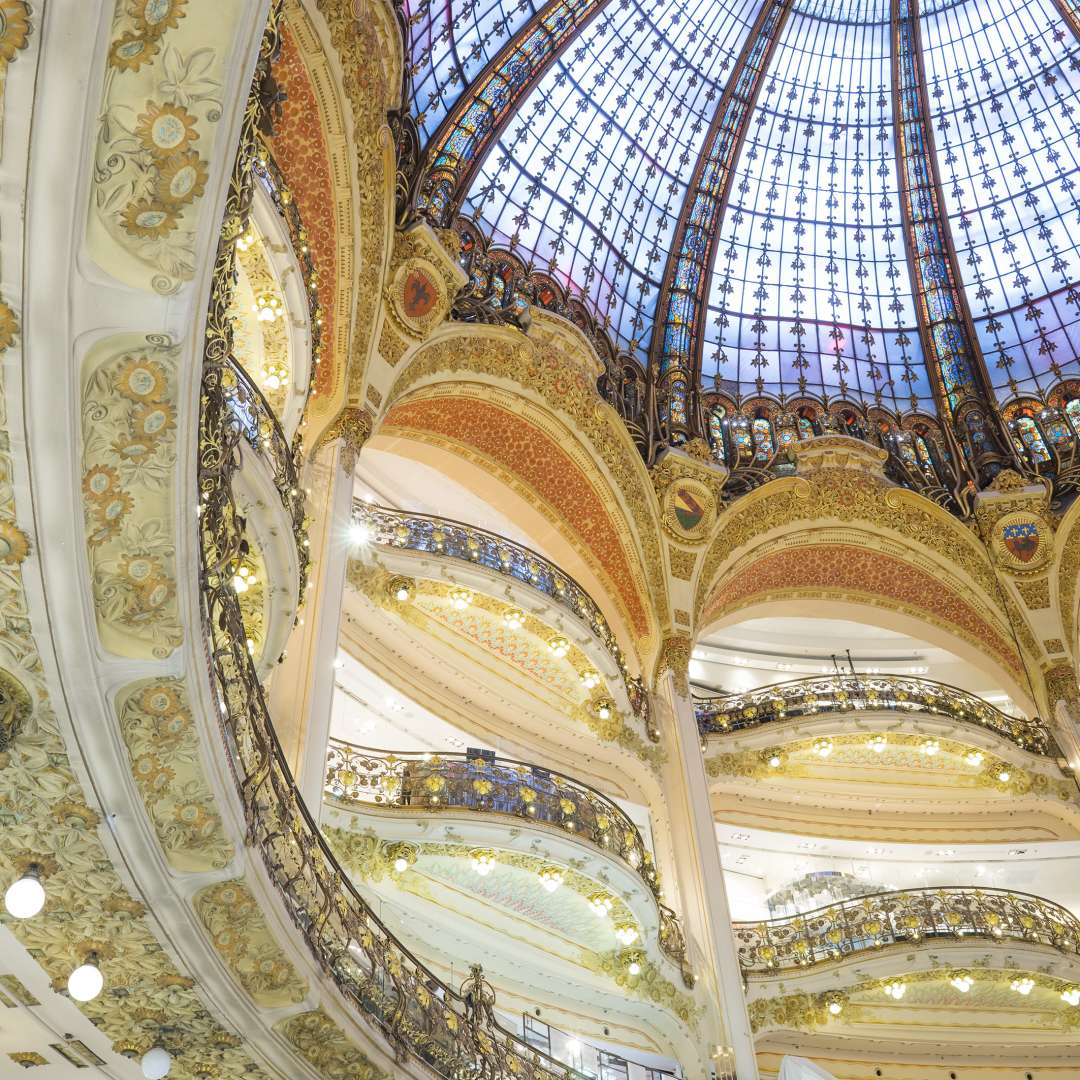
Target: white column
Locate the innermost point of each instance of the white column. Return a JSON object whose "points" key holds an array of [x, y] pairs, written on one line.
{"points": [[703, 898]]}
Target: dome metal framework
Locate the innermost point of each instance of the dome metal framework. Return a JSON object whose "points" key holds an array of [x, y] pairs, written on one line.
{"points": [[822, 212]]}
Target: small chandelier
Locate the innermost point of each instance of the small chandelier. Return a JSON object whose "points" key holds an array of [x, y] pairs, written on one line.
{"points": [[514, 618], [601, 904], [895, 989], [460, 599], [274, 376], [268, 308], [559, 647], [551, 877], [823, 747], [590, 679], [483, 861]]}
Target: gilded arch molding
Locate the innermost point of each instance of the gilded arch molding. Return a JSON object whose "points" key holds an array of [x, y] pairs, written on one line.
{"points": [[841, 529], [360, 75], [550, 377]]}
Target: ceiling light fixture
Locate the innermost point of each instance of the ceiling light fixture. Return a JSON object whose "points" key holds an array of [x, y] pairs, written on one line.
{"points": [[360, 532], [601, 905], [514, 618], [559, 646], [26, 897], [483, 862], [974, 758], [626, 933], [156, 1063], [895, 989], [1022, 986], [877, 743], [963, 983], [460, 599], [590, 679], [1071, 996], [86, 981], [930, 747], [823, 747], [551, 877]]}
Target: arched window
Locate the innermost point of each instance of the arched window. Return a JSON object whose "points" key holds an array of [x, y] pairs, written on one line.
{"points": [[716, 433], [922, 455], [1072, 411], [787, 434], [1053, 423], [763, 440], [676, 401], [1031, 438], [806, 427], [739, 429]]}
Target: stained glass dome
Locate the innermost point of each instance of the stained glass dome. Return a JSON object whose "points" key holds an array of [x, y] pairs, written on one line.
{"points": [[784, 197]]}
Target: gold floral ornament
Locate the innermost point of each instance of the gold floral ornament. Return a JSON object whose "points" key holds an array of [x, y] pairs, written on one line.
{"points": [[14, 546], [149, 220], [14, 28], [182, 179], [142, 380], [166, 129], [130, 51], [106, 517], [9, 326], [154, 17]]}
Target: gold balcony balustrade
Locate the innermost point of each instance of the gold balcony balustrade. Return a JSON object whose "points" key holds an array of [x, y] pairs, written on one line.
{"points": [[906, 917], [832, 694], [422, 781], [261, 430], [417, 1013], [448, 539], [413, 780]]}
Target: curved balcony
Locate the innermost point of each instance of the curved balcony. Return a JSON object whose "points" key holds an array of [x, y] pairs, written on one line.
{"points": [[870, 923], [412, 780], [263, 433], [417, 1014], [831, 695], [453, 540]]}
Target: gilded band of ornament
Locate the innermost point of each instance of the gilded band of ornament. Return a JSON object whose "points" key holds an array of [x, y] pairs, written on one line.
{"points": [[547, 464], [360, 45], [430, 609], [1046, 1001], [543, 364], [852, 497]]}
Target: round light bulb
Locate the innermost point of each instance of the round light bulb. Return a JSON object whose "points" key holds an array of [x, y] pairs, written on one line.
{"points": [[25, 897], [835, 1008], [85, 982], [156, 1063], [402, 594], [1004, 775], [774, 761], [634, 967]]}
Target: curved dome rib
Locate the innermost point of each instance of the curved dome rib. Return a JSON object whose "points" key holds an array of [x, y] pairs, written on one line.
{"points": [[962, 387], [466, 133], [677, 332]]}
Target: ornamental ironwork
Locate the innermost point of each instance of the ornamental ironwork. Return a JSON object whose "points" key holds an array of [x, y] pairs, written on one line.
{"points": [[408, 780], [448, 539], [414, 781], [830, 695], [415, 1011], [906, 917]]}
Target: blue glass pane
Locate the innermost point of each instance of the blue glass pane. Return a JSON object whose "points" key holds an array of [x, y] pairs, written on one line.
{"points": [[450, 43], [589, 177], [1002, 83], [810, 289]]}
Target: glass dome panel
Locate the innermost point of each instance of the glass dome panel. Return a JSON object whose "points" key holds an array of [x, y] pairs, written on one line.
{"points": [[588, 179], [810, 289], [450, 44], [1002, 83]]}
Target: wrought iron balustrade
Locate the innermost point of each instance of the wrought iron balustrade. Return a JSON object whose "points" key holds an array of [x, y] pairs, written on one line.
{"points": [[417, 1013], [904, 917], [261, 430], [444, 538], [833, 694], [414, 780]]}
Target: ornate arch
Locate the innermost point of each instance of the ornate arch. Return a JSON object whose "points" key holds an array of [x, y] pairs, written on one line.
{"points": [[841, 530], [528, 408]]}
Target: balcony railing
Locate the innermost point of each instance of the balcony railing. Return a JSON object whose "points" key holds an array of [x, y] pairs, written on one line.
{"points": [[417, 1013], [833, 694], [907, 917], [262, 431], [448, 539], [413, 780]]}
